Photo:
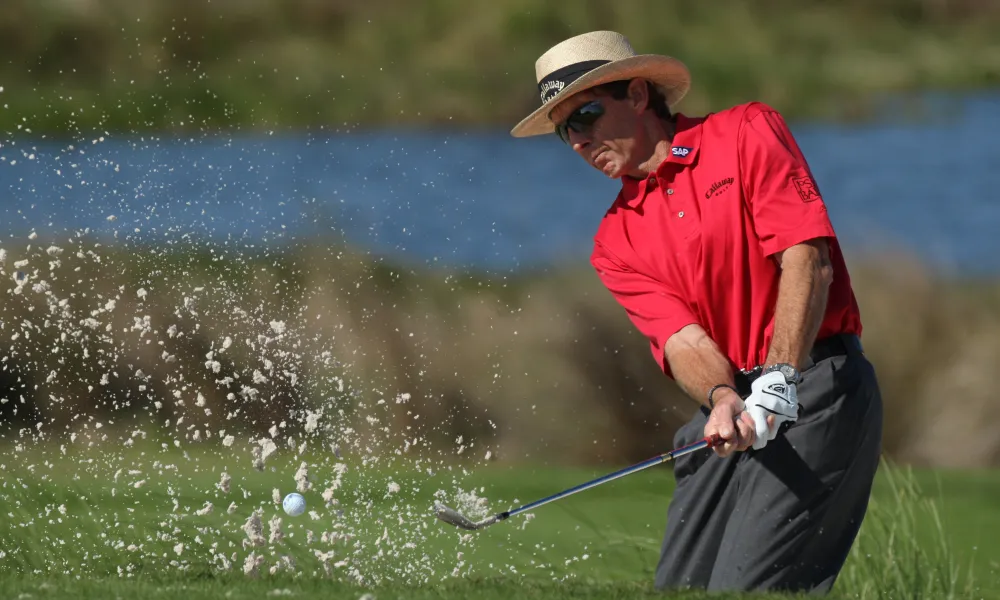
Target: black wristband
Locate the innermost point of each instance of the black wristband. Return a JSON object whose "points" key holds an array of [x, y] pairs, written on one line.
{"points": [[715, 387]]}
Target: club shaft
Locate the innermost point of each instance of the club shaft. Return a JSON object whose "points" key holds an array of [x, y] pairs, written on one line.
{"points": [[656, 460]]}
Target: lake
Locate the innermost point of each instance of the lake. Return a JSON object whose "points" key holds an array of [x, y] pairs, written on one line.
{"points": [[481, 198]]}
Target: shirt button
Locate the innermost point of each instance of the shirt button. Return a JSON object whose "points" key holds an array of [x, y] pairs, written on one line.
{"points": [[681, 214], [670, 190]]}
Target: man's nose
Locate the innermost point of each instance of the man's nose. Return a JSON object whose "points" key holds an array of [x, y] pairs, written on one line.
{"points": [[578, 140]]}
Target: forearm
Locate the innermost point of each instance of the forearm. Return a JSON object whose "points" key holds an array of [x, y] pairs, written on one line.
{"points": [[806, 274], [697, 364]]}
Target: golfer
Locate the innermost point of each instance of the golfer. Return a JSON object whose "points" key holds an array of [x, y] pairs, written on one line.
{"points": [[720, 250]]}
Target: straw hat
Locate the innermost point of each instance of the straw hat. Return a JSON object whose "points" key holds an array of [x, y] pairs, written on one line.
{"points": [[592, 59]]}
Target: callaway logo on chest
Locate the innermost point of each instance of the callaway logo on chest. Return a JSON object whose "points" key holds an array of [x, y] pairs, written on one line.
{"points": [[718, 187]]}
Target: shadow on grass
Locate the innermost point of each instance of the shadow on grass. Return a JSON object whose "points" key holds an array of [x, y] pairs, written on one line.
{"points": [[232, 587]]}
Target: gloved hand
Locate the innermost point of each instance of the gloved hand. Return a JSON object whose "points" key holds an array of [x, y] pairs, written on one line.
{"points": [[771, 396]]}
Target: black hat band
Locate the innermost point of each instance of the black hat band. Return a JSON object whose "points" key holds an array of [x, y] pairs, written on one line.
{"points": [[555, 81]]}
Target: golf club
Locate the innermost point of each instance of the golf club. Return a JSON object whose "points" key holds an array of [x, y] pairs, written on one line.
{"points": [[453, 517]]}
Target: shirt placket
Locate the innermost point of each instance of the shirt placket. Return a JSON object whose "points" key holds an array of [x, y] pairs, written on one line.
{"points": [[683, 218]]}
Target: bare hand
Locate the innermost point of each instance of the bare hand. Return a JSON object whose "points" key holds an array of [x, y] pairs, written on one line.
{"points": [[731, 423]]}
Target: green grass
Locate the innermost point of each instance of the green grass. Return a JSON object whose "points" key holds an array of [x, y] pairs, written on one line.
{"points": [[602, 543]]}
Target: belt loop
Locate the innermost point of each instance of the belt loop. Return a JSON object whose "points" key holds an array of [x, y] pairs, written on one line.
{"points": [[853, 343]]}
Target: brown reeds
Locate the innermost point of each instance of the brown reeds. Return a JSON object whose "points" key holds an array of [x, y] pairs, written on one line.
{"points": [[539, 366]]}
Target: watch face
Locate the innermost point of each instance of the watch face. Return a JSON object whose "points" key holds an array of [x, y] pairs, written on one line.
{"points": [[787, 370]]}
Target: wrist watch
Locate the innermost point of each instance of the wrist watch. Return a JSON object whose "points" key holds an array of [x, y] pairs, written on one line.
{"points": [[791, 374]]}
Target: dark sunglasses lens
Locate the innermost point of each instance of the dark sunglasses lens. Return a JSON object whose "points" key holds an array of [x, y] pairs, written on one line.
{"points": [[587, 114], [581, 120], [563, 132]]}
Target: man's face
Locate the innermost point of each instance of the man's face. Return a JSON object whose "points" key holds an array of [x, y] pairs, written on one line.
{"points": [[615, 142]]}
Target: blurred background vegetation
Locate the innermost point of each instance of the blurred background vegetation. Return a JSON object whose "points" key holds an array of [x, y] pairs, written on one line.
{"points": [[535, 365], [137, 65]]}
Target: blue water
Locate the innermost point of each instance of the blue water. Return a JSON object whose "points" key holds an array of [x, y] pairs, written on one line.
{"points": [[484, 199]]}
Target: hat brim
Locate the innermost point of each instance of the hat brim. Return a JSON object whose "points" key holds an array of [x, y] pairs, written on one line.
{"points": [[667, 73]]}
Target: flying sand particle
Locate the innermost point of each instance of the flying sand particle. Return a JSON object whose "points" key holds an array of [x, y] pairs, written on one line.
{"points": [[254, 530], [302, 483], [252, 564]]}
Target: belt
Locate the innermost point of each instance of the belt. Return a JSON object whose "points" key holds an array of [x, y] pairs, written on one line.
{"points": [[840, 344]]}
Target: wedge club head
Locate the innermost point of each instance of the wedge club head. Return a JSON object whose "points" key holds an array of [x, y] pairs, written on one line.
{"points": [[453, 517]]}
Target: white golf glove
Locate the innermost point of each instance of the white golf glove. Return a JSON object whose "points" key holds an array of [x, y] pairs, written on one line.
{"points": [[771, 395]]}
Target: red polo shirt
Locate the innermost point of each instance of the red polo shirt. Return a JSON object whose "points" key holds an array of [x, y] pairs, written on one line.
{"points": [[692, 243]]}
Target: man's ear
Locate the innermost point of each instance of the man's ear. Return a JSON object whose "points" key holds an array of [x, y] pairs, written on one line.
{"points": [[638, 94]]}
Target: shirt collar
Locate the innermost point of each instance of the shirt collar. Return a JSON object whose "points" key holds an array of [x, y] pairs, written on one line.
{"points": [[687, 141]]}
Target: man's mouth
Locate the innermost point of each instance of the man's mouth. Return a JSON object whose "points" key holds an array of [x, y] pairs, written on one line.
{"points": [[598, 156]]}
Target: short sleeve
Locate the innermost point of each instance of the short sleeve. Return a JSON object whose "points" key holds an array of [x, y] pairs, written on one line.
{"points": [[785, 202], [655, 309]]}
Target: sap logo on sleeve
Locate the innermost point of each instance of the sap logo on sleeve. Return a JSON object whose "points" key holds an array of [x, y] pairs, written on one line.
{"points": [[680, 151]]}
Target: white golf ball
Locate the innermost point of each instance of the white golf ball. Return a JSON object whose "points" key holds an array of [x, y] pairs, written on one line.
{"points": [[294, 504]]}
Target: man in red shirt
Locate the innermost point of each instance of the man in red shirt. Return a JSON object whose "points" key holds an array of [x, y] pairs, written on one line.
{"points": [[721, 252]]}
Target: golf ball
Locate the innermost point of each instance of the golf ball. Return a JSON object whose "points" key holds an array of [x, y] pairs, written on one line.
{"points": [[294, 504]]}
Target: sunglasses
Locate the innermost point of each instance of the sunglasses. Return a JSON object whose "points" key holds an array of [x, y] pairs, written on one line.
{"points": [[580, 120]]}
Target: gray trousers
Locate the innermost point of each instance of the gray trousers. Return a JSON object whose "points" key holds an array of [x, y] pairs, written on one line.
{"points": [[784, 517]]}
